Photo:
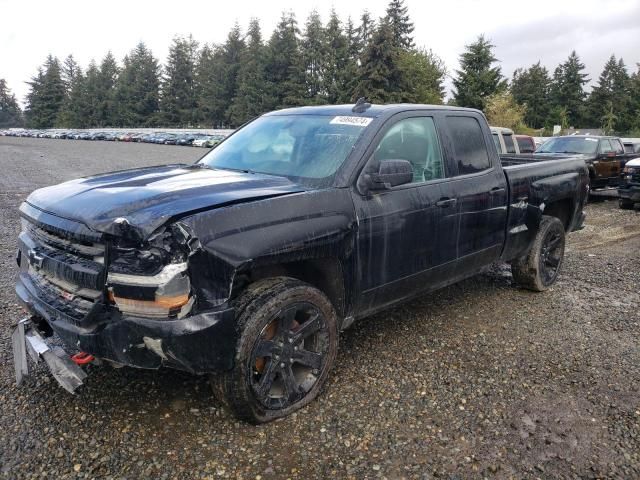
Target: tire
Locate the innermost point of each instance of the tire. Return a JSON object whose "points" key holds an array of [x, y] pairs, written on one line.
{"points": [[625, 204], [287, 346], [539, 269]]}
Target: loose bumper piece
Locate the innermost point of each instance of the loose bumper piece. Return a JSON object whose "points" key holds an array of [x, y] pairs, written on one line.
{"points": [[26, 339]]}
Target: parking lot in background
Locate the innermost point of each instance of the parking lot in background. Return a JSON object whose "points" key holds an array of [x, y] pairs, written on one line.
{"points": [[480, 379]]}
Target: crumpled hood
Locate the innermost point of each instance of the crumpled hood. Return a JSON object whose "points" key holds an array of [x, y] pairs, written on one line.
{"points": [[146, 198]]}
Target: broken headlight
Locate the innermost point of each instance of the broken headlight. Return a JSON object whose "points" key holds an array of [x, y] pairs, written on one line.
{"points": [[151, 279], [166, 294]]}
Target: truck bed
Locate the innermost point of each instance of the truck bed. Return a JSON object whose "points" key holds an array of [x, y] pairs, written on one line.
{"points": [[534, 181]]}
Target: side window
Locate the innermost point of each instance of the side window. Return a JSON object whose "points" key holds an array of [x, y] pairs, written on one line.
{"points": [[605, 146], [414, 139], [508, 142], [496, 140], [468, 142], [525, 144], [617, 146]]}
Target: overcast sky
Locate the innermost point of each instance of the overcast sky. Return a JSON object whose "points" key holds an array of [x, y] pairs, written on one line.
{"points": [[522, 31]]}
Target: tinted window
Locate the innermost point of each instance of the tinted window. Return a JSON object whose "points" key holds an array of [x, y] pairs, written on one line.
{"points": [[508, 142], [525, 144], [569, 145], [496, 140], [415, 140], [605, 146], [628, 147], [617, 146], [468, 141]]}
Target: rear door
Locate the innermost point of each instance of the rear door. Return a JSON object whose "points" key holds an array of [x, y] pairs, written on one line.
{"points": [[608, 165], [480, 188]]}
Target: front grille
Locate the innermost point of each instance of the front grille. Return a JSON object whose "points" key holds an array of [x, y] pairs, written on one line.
{"points": [[67, 271]]}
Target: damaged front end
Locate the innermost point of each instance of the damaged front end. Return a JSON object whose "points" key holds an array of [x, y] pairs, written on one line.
{"points": [[120, 297]]}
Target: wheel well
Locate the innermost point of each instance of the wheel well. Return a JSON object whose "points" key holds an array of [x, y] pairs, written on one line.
{"points": [[560, 209], [323, 273]]}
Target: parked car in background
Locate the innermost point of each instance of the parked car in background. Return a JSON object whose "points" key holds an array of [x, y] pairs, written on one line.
{"points": [[604, 156], [507, 142], [187, 139], [170, 139], [208, 141], [629, 190], [631, 145], [525, 143]]}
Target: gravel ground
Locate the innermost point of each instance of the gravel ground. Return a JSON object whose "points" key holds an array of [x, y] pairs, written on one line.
{"points": [[481, 379]]}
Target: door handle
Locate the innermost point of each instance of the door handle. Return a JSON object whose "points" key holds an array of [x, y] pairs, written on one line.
{"points": [[496, 190], [446, 202]]}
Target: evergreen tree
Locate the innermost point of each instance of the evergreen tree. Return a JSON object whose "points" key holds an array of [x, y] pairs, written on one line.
{"points": [[340, 67], [380, 71], [232, 55], [530, 87], [46, 96], [351, 70], [284, 70], [210, 79], [422, 77], [107, 76], [70, 70], [72, 78], [178, 100], [10, 113], [217, 78], [137, 89], [634, 89], [567, 89], [477, 79], [365, 31], [401, 26], [611, 98], [91, 93], [250, 101], [315, 58]]}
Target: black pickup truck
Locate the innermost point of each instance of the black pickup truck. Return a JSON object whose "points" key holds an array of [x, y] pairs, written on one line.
{"points": [[247, 264], [605, 156]]}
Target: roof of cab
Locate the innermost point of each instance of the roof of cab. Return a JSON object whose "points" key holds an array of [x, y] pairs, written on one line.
{"points": [[501, 130], [373, 111]]}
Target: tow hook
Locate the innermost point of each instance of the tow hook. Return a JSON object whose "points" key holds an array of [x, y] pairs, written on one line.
{"points": [[82, 358]]}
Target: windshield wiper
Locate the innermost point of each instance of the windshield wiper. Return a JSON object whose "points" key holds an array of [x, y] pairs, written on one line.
{"points": [[204, 165], [200, 165]]}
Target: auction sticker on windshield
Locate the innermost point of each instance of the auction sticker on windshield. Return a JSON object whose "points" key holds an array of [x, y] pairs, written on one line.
{"points": [[360, 121]]}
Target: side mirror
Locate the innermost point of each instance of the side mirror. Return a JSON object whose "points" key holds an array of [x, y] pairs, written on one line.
{"points": [[391, 173]]}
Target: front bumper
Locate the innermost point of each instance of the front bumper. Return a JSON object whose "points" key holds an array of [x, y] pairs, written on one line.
{"points": [[630, 192], [201, 343]]}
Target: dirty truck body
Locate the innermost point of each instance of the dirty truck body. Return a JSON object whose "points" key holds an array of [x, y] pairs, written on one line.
{"points": [[173, 265]]}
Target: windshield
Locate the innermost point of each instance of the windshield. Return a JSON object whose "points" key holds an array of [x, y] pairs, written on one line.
{"points": [[569, 145], [302, 146]]}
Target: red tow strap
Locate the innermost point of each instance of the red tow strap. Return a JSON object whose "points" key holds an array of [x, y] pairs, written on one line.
{"points": [[82, 358]]}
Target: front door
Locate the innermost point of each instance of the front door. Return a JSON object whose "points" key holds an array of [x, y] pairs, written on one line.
{"points": [[406, 234]]}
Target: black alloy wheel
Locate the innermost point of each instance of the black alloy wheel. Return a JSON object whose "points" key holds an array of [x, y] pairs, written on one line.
{"points": [[289, 355]]}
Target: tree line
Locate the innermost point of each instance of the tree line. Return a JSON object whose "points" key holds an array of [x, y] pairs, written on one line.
{"points": [[228, 84], [215, 85]]}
